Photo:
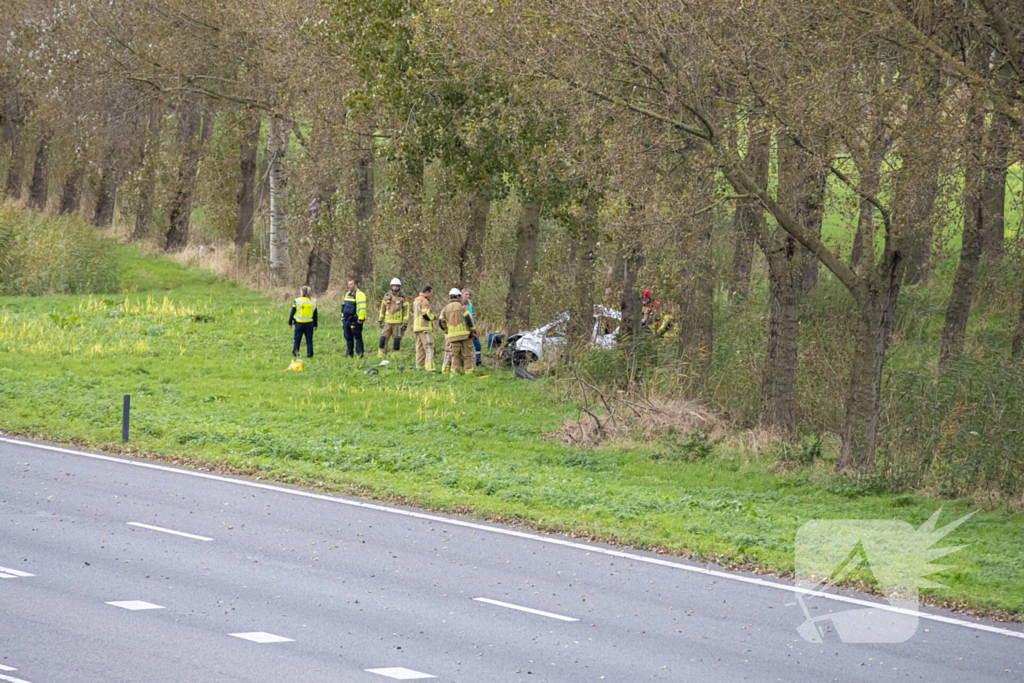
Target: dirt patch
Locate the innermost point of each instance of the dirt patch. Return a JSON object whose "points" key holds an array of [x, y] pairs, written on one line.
{"points": [[627, 419]]}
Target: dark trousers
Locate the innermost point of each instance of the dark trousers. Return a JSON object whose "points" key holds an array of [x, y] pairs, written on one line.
{"points": [[476, 347], [353, 330], [303, 330]]}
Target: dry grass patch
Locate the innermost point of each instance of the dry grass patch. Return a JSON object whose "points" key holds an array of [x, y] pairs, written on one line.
{"points": [[622, 419]]}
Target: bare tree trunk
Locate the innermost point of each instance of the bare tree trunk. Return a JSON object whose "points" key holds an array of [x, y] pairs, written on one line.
{"points": [[922, 164], [411, 209], [39, 191], [14, 119], [581, 315], [959, 308], [365, 204], [696, 310], [318, 268], [248, 147], [189, 123], [993, 192], [868, 170], [813, 214], [517, 305], [471, 258], [749, 218], [147, 188], [918, 225], [1017, 352], [103, 214], [277, 147], [876, 316], [630, 261], [786, 272], [785, 275], [71, 193]]}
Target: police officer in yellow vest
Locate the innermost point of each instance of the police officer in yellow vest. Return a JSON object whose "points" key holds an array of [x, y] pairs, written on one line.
{"points": [[394, 317], [423, 327], [353, 314], [303, 319], [457, 324]]}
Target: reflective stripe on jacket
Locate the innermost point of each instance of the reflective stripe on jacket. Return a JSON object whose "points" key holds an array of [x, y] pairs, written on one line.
{"points": [[394, 309], [354, 305], [304, 309], [421, 308], [454, 315]]}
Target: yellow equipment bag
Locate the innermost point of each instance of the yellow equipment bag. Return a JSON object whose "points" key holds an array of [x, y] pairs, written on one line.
{"points": [[296, 365]]}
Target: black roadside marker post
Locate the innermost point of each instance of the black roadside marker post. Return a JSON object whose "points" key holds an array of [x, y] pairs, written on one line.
{"points": [[124, 417]]}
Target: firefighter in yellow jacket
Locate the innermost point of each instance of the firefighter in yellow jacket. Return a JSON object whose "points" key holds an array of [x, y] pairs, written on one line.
{"points": [[394, 317], [457, 324], [423, 328]]}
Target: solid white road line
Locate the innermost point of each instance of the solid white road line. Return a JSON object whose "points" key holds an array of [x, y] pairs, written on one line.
{"points": [[524, 609], [11, 679], [14, 572], [262, 637], [400, 672], [7, 668], [134, 605], [8, 576], [169, 531], [717, 573]]}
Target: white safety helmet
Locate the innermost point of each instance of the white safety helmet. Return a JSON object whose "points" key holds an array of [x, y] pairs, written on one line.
{"points": [[455, 292], [396, 281]]}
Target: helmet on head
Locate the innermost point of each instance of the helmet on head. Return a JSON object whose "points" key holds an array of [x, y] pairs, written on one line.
{"points": [[454, 292], [647, 294], [396, 281]]}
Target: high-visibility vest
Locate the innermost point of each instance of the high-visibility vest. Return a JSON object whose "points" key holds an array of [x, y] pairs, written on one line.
{"points": [[394, 308], [454, 315], [359, 299], [304, 307], [420, 308]]}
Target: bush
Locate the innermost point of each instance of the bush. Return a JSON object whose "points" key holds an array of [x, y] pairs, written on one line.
{"points": [[42, 254], [957, 429], [806, 452]]}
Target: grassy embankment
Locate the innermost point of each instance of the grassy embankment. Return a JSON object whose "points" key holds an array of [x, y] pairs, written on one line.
{"points": [[205, 364]]}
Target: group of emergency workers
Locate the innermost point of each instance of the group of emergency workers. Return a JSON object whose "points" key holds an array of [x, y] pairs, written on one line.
{"points": [[462, 345]]}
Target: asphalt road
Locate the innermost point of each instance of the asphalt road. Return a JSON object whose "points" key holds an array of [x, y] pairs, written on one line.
{"points": [[364, 592]]}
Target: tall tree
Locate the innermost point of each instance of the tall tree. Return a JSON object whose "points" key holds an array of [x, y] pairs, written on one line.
{"points": [[106, 196], [148, 151], [190, 122], [748, 220], [71, 191], [471, 256], [517, 303], [248, 149], [365, 201], [39, 190], [13, 121], [277, 147]]}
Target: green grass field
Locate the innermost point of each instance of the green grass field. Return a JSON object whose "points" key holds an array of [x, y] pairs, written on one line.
{"points": [[205, 362]]}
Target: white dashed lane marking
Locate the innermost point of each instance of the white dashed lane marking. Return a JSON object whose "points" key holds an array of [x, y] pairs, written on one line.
{"points": [[515, 533], [524, 609], [134, 605], [262, 637], [7, 668], [401, 673], [169, 531], [6, 573]]}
